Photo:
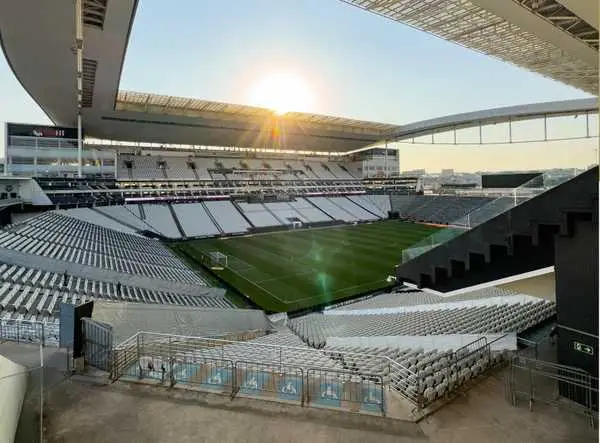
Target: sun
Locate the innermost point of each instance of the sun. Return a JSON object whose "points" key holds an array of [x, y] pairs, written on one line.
{"points": [[282, 92]]}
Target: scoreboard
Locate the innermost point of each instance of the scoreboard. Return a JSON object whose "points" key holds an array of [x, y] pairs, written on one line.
{"points": [[41, 131]]}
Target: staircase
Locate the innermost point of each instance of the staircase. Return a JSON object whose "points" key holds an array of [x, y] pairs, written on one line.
{"points": [[239, 209], [516, 241], [363, 207], [176, 220], [212, 217]]}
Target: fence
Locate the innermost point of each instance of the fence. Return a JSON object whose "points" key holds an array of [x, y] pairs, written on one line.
{"points": [[307, 376], [529, 347], [97, 343], [538, 381], [28, 331]]}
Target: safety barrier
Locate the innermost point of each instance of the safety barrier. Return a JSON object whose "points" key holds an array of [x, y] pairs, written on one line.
{"points": [[538, 381], [311, 377], [25, 331], [358, 393]]}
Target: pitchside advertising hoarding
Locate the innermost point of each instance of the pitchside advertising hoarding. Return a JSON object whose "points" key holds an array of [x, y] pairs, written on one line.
{"points": [[41, 131]]}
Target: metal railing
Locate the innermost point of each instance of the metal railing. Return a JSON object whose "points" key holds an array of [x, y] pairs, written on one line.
{"points": [[98, 343], [484, 213], [530, 348], [292, 373], [539, 381], [333, 388], [25, 331]]}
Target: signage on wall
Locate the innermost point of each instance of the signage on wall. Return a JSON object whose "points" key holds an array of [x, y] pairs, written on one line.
{"points": [[22, 130], [583, 348]]}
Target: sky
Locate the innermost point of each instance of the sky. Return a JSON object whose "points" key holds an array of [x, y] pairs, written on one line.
{"points": [[356, 65]]}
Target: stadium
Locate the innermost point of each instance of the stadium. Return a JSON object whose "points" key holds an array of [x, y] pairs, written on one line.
{"points": [[233, 272]]}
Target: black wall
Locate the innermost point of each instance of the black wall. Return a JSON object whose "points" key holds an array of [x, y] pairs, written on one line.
{"points": [[576, 270], [511, 180], [526, 219]]}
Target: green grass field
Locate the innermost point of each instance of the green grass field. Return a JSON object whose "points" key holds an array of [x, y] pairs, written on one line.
{"points": [[289, 270]]}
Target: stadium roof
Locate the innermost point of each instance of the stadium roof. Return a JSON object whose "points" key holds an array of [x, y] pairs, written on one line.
{"points": [[191, 107], [38, 40], [555, 38]]}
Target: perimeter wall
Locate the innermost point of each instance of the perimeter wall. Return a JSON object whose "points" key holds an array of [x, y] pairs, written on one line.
{"points": [[13, 384]]}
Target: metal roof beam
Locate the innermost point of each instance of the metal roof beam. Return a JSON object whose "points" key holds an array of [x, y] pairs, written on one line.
{"points": [[527, 21]]}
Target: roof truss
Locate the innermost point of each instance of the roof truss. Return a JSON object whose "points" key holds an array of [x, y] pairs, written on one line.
{"points": [[467, 24]]}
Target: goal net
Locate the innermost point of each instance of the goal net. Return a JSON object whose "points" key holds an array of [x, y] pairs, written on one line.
{"points": [[218, 260]]}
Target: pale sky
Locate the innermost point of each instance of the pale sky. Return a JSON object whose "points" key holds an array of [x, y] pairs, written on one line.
{"points": [[354, 64]]}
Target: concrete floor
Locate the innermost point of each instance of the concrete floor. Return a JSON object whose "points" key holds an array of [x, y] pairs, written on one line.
{"points": [[78, 409], [124, 412]]}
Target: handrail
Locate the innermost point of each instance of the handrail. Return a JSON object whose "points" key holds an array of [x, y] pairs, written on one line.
{"points": [[399, 378]]}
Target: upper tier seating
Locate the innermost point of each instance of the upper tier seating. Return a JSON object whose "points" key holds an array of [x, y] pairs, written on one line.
{"points": [[338, 171], [178, 168], [317, 169], [144, 167]]}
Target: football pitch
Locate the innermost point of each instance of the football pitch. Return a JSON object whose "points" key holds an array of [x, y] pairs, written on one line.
{"points": [[290, 270]]}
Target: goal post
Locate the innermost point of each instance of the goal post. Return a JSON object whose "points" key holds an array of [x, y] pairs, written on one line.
{"points": [[296, 224], [217, 260]]}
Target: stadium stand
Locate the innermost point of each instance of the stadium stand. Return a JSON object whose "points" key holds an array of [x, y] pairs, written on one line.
{"points": [[284, 213], [368, 204], [441, 209], [34, 291], [91, 216], [505, 243], [194, 220], [140, 167], [66, 238], [353, 208], [84, 191], [155, 167], [329, 207], [416, 298], [479, 316], [259, 215], [226, 217], [160, 217], [128, 215], [308, 211], [179, 168]]}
